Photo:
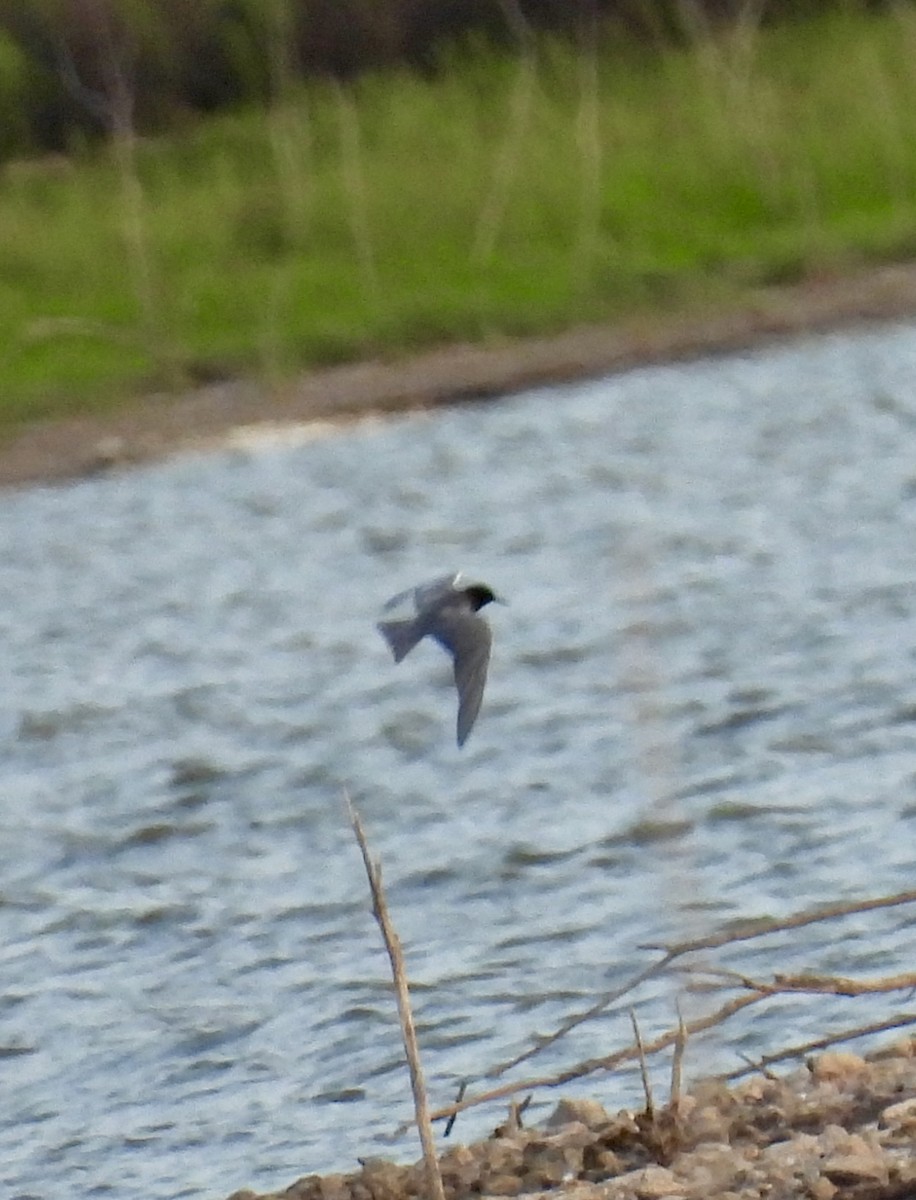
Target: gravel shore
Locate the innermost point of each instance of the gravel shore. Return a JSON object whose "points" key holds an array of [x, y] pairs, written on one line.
{"points": [[842, 1127], [153, 426]]}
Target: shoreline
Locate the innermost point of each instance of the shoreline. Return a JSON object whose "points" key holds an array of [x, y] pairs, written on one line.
{"points": [[841, 1127], [153, 427]]}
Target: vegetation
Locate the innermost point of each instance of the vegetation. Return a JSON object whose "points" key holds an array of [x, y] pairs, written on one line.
{"points": [[508, 194], [199, 56]]}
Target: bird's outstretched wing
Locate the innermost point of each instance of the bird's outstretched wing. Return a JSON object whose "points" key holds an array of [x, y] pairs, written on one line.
{"points": [[467, 638], [425, 594]]}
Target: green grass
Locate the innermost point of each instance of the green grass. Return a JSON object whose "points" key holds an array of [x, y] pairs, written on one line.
{"points": [[504, 198]]}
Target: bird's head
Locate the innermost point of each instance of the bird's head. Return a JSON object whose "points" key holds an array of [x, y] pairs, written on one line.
{"points": [[479, 595]]}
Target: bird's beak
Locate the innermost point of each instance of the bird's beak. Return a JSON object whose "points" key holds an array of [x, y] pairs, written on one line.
{"points": [[501, 600]]}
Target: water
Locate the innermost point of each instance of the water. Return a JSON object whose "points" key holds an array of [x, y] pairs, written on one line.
{"points": [[702, 706]]}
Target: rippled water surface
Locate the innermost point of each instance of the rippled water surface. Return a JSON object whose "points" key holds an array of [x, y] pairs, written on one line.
{"points": [[702, 706]]}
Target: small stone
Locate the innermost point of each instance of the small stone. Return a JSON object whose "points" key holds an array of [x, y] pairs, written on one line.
{"points": [[847, 1169], [754, 1089], [502, 1156], [835, 1140], [837, 1065], [904, 1047], [586, 1112], [901, 1115], [685, 1107], [333, 1187], [712, 1152], [605, 1165], [547, 1165], [794, 1154], [308, 1187], [385, 1180], [460, 1169], [651, 1183], [822, 1189], [503, 1185], [709, 1124], [710, 1168], [568, 1136]]}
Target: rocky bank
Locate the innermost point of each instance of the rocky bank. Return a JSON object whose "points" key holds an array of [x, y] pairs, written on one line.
{"points": [[842, 1127]]}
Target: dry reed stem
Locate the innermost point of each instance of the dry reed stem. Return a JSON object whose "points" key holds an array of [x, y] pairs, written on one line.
{"points": [[677, 1067], [845, 1035], [643, 1067], [608, 1063], [829, 985], [670, 1037], [402, 992], [745, 931], [759, 990]]}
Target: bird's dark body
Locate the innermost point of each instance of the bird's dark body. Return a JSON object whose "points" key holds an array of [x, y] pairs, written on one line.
{"points": [[448, 614]]}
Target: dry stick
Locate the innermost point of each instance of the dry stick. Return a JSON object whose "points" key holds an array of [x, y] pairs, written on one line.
{"points": [[608, 1063], [580, 1018], [831, 985], [760, 928], [399, 972], [845, 1035], [739, 933], [837, 985], [643, 1067], [764, 990], [677, 1064]]}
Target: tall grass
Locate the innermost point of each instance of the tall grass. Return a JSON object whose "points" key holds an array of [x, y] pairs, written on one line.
{"points": [[509, 196]]}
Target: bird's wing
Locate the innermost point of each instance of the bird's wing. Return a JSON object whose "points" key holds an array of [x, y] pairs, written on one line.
{"points": [[428, 593], [467, 638], [425, 594]]}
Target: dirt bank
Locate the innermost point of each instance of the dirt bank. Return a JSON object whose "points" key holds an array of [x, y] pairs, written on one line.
{"points": [[841, 1128], [153, 426]]}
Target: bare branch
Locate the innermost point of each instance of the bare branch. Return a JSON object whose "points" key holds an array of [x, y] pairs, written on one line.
{"points": [[588, 1014], [756, 991], [609, 1062], [845, 1035], [643, 1067], [745, 931], [677, 1064], [399, 973], [763, 926], [832, 985], [836, 985]]}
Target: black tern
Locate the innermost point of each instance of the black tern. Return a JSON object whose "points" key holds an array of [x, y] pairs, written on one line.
{"points": [[446, 610]]}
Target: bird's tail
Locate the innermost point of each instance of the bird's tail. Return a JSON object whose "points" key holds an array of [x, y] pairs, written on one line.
{"points": [[401, 636]]}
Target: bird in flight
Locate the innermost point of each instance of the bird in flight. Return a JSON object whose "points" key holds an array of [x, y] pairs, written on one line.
{"points": [[448, 611]]}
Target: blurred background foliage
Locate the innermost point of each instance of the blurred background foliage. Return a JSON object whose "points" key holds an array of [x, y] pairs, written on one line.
{"points": [[68, 68], [376, 176]]}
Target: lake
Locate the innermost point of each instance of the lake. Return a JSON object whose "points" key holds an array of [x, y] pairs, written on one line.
{"points": [[701, 708]]}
